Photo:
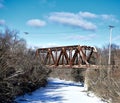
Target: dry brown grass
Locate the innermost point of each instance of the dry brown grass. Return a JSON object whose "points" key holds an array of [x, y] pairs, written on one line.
{"points": [[105, 82]]}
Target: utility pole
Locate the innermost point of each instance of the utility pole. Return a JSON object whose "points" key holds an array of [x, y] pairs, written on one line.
{"points": [[109, 58]]}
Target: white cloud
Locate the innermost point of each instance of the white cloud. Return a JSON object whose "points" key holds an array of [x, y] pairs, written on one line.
{"points": [[36, 23], [116, 38], [102, 16], [109, 17], [72, 19], [83, 20], [88, 15], [2, 22], [52, 44], [81, 37]]}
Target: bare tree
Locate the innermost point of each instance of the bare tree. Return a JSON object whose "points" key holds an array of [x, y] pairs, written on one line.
{"points": [[20, 71]]}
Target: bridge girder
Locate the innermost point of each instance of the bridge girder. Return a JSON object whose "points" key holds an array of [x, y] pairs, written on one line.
{"points": [[66, 55]]}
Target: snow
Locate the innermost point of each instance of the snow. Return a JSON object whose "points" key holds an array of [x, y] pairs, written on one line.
{"points": [[59, 91]]}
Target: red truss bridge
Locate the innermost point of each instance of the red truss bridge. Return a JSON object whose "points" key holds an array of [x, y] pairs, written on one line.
{"points": [[75, 56]]}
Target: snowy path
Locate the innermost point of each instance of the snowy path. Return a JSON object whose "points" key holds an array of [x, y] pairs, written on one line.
{"points": [[59, 91]]}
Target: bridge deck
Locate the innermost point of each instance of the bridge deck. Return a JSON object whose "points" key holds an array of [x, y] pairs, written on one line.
{"points": [[74, 66]]}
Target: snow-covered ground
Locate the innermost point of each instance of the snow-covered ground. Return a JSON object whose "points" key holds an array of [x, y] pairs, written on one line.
{"points": [[59, 91]]}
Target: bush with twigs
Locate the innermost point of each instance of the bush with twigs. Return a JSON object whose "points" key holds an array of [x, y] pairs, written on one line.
{"points": [[20, 70], [105, 81]]}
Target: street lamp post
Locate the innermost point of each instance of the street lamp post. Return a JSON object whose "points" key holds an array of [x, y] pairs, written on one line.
{"points": [[109, 58]]}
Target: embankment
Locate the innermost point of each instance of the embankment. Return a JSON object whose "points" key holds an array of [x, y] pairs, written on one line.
{"points": [[68, 74], [105, 82]]}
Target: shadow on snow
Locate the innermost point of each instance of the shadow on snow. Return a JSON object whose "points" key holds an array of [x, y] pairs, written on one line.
{"points": [[50, 93]]}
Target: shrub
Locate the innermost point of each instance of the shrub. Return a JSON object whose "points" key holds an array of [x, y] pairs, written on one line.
{"points": [[78, 74], [105, 82], [20, 70]]}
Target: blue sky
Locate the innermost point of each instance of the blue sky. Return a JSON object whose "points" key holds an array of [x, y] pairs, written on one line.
{"points": [[62, 22]]}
